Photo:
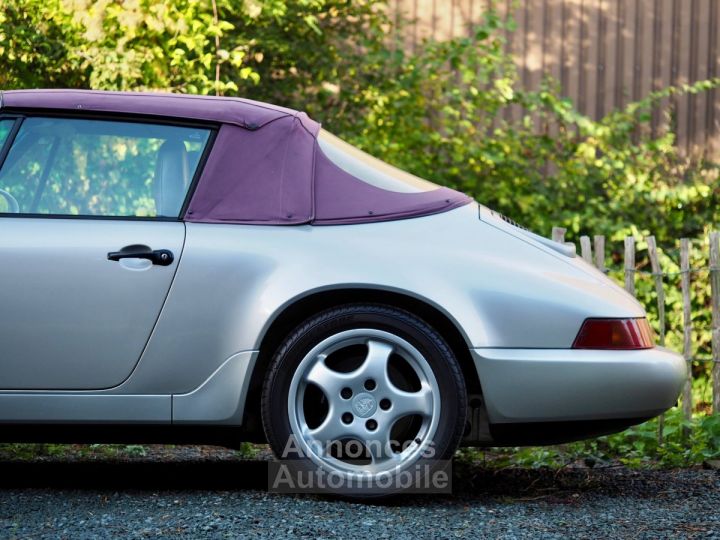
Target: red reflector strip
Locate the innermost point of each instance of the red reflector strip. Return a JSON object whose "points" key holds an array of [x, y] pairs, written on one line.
{"points": [[615, 334]]}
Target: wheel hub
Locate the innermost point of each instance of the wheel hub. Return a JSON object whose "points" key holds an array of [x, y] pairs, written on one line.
{"points": [[364, 405]]}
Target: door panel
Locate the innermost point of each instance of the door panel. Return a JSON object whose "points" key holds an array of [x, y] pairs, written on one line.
{"points": [[69, 317]]}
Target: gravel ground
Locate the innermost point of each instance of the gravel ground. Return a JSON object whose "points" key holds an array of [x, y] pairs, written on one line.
{"points": [[196, 493]]}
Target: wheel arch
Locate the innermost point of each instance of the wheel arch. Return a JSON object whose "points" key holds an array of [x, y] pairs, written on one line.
{"points": [[297, 310]]}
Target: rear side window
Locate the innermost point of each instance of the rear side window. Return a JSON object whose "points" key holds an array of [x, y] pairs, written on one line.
{"points": [[79, 167], [370, 169], [6, 125]]}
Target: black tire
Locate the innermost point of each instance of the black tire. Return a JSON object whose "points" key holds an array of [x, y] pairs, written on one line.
{"points": [[408, 327]]}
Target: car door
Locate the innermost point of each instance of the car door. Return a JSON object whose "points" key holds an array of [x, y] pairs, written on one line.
{"points": [[89, 243]]}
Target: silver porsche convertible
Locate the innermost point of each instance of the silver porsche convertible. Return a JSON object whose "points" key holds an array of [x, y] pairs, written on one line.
{"points": [[189, 269]]}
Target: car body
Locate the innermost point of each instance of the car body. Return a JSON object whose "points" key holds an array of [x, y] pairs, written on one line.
{"points": [[272, 221]]}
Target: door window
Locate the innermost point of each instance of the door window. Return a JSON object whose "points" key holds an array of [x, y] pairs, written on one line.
{"points": [[81, 167]]}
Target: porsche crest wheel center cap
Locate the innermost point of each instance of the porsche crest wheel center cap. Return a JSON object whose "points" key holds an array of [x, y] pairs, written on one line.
{"points": [[364, 405]]}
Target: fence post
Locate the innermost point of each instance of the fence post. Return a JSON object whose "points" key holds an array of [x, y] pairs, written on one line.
{"points": [[558, 234], [600, 252], [586, 249], [715, 292], [658, 277], [630, 264], [687, 404]]}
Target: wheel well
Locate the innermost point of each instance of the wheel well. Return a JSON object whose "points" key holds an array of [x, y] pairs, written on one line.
{"points": [[306, 307]]}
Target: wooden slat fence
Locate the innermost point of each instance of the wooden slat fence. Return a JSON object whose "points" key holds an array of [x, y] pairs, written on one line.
{"points": [[605, 53]]}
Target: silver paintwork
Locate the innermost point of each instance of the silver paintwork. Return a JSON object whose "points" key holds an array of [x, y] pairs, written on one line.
{"points": [[83, 408], [71, 320], [234, 280], [316, 442]]}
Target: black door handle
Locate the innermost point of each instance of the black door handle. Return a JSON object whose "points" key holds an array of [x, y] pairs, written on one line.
{"points": [[162, 257]]}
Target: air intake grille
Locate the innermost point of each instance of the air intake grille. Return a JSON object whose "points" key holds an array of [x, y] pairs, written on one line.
{"points": [[510, 221]]}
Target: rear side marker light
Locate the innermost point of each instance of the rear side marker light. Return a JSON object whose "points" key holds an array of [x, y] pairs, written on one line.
{"points": [[615, 334]]}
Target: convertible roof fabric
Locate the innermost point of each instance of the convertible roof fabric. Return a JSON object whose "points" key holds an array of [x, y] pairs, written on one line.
{"points": [[265, 166]]}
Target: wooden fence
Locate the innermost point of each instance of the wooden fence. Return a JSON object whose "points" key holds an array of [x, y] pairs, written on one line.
{"points": [[630, 272], [605, 53]]}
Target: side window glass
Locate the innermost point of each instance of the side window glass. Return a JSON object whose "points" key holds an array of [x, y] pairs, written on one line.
{"points": [[77, 167], [6, 125], [6, 202]]}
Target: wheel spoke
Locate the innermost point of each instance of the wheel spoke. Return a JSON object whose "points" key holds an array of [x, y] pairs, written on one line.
{"points": [[407, 403], [330, 430], [379, 446], [375, 365], [331, 382]]}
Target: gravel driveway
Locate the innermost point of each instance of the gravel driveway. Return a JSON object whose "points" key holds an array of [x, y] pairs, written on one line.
{"points": [[222, 496]]}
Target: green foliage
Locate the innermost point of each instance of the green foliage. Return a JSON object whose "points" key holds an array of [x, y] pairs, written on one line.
{"points": [[190, 46]]}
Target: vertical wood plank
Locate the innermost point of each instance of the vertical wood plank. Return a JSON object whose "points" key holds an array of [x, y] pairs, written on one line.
{"points": [[524, 23], [592, 63], [656, 61], [665, 52], [558, 234], [644, 54], [647, 14], [684, 21], [552, 49], [697, 71], [601, 66], [600, 252], [698, 106], [609, 54], [712, 108], [572, 62], [630, 264], [638, 34], [687, 404], [564, 66], [628, 47], [619, 69], [517, 48], [582, 65], [715, 299], [424, 26], [586, 249]]}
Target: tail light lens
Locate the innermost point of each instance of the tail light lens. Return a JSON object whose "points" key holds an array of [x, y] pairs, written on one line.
{"points": [[616, 334]]}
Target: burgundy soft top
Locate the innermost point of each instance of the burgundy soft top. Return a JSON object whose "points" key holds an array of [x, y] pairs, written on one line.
{"points": [[265, 166]]}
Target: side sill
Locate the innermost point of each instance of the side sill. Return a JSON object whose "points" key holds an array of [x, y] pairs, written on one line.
{"points": [[71, 408]]}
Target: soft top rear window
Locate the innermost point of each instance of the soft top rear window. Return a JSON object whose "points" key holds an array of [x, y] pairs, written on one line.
{"points": [[370, 169]]}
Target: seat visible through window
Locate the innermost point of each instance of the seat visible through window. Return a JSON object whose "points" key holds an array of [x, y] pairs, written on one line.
{"points": [[172, 176]]}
